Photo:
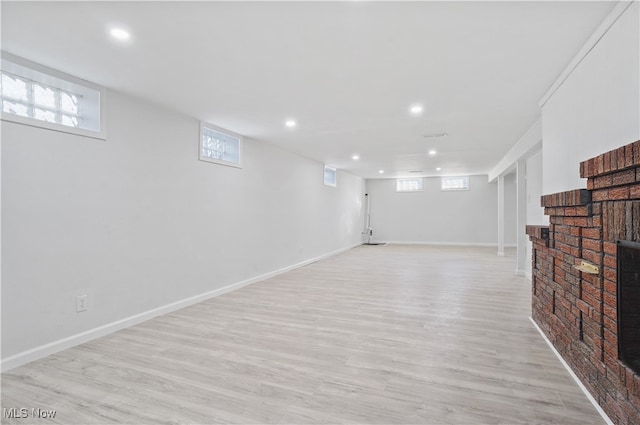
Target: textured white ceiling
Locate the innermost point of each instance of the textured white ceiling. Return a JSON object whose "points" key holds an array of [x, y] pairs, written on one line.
{"points": [[347, 72]]}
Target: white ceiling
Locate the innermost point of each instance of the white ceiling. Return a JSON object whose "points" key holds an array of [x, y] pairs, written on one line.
{"points": [[347, 72]]}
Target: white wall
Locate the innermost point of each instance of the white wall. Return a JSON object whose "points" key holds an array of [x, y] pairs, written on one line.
{"points": [[596, 109], [137, 222], [535, 213], [510, 208], [434, 216], [530, 144]]}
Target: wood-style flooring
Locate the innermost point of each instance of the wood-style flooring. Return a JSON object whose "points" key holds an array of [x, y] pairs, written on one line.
{"points": [[392, 334]]}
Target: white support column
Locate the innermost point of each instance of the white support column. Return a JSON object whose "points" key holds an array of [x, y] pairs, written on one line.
{"points": [[521, 207], [501, 216]]}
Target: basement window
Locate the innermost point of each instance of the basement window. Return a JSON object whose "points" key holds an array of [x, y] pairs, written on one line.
{"points": [[330, 176], [409, 185], [41, 97], [455, 183], [220, 146]]}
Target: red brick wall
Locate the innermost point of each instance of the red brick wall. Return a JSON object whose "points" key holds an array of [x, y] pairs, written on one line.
{"points": [[577, 310]]}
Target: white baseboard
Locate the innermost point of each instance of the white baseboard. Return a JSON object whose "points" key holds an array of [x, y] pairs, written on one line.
{"points": [[490, 245], [524, 274], [573, 375], [77, 339]]}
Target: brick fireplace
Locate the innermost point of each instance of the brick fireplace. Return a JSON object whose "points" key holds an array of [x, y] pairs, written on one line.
{"points": [[575, 279]]}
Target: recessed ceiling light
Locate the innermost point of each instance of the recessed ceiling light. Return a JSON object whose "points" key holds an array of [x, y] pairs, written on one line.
{"points": [[416, 109], [438, 169], [120, 34], [290, 123], [432, 152], [355, 157], [381, 171]]}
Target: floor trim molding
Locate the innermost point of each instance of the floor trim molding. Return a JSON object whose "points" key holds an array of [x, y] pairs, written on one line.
{"points": [[573, 375], [39, 352], [522, 273], [474, 244]]}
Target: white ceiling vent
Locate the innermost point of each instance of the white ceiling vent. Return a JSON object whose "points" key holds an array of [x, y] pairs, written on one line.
{"points": [[429, 136]]}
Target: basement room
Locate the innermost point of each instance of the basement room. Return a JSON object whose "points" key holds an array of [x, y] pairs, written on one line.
{"points": [[349, 212]]}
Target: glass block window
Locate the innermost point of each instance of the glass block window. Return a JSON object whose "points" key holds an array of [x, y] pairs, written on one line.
{"points": [[220, 146], [27, 98], [35, 95], [455, 183], [409, 185]]}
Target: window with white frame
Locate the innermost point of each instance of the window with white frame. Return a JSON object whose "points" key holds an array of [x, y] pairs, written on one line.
{"points": [[455, 183], [35, 95], [409, 185], [28, 98], [220, 146], [330, 176]]}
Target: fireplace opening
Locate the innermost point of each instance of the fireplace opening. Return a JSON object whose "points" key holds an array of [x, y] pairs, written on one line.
{"points": [[629, 304]]}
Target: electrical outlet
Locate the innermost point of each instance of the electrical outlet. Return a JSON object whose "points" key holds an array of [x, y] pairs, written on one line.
{"points": [[81, 303]]}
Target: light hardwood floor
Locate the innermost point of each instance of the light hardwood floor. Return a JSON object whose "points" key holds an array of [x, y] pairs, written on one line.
{"points": [[379, 334]]}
